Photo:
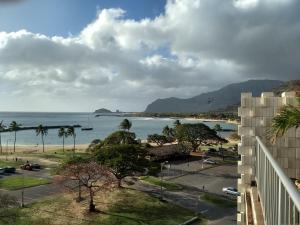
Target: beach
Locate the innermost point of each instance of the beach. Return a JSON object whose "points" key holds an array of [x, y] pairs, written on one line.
{"points": [[39, 148]]}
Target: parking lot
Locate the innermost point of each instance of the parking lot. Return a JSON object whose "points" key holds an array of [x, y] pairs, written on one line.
{"points": [[213, 179]]}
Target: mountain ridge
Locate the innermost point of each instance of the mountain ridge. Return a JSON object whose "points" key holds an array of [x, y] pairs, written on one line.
{"points": [[213, 100]]}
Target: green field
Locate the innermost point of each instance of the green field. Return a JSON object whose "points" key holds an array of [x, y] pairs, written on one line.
{"points": [[120, 207], [156, 181], [18, 182], [4, 163]]}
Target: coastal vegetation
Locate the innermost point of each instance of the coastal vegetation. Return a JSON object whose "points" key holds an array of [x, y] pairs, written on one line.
{"points": [[2, 128], [197, 134], [71, 132], [122, 160], [157, 139], [14, 127], [42, 131], [62, 133], [125, 124]]}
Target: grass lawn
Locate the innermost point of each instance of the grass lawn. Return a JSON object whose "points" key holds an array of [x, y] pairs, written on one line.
{"points": [[56, 156], [4, 163], [218, 200], [18, 182], [120, 207], [166, 184]]}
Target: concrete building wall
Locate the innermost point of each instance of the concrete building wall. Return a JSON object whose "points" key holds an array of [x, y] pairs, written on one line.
{"points": [[256, 118]]}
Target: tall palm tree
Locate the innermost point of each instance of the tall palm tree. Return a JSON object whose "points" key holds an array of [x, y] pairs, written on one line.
{"points": [[62, 133], [43, 131], [218, 129], [14, 126], [2, 128], [177, 123], [166, 131], [71, 132], [288, 117], [125, 124]]}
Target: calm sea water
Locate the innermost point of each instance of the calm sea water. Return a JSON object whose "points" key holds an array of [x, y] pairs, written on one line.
{"points": [[103, 126]]}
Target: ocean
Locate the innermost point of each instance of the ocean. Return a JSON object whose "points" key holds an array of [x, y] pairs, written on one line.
{"points": [[102, 126]]}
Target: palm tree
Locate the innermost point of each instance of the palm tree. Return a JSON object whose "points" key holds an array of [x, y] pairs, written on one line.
{"points": [[125, 124], [14, 126], [71, 132], [288, 117], [2, 128], [62, 133], [43, 131], [177, 123], [166, 131], [218, 129]]}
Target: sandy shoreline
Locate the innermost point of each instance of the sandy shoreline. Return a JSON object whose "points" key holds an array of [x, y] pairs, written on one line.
{"points": [[213, 120], [39, 148]]}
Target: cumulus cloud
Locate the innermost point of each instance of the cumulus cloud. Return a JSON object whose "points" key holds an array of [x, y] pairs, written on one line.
{"points": [[192, 47]]}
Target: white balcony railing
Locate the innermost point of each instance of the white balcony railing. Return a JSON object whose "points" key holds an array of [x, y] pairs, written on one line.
{"points": [[280, 200]]}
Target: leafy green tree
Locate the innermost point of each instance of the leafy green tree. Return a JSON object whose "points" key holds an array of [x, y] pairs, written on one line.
{"points": [[62, 133], [120, 137], [71, 132], [158, 139], [123, 160], [95, 144], [197, 134], [2, 128], [288, 117], [125, 125], [14, 126], [43, 131]]}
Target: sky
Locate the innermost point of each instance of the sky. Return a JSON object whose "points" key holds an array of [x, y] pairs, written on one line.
{"points": [[78, 55]]}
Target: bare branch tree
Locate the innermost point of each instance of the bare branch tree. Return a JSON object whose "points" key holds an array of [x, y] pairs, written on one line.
{"points": [[90, 177]]}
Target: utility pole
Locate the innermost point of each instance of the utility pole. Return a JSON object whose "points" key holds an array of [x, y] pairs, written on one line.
{"points": [[161, 179]]}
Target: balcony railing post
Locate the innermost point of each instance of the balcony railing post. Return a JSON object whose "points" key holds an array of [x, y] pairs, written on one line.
{"points": [[280, 199]]}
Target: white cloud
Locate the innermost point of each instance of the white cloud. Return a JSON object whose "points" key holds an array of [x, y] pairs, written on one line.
{"points": [[194, 46]]}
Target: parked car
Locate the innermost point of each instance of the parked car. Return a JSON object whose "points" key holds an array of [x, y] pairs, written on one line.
{"points": [[209, 161], [26, 166], [2, 171], [9, 169], [231, 191], [35, 166], [29, 166]]}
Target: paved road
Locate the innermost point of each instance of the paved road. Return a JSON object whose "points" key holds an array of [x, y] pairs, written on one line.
{"points": [[213, 179], [190, 199]]}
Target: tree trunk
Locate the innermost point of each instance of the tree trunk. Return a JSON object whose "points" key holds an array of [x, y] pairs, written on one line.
{"points": [[92, 207], [0, 143], [119, 183], [43, 143], [79, 192], [74, 145], [63, 144], [15, 141]]}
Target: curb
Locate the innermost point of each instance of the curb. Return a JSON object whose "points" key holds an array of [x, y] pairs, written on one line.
{"points": [[190, 221]]}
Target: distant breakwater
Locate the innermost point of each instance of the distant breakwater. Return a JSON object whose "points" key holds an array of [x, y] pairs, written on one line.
{"points": [[47, 127]]}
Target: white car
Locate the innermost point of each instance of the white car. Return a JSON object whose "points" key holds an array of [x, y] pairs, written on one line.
{"points": [[209, 161], [231, 191]]}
